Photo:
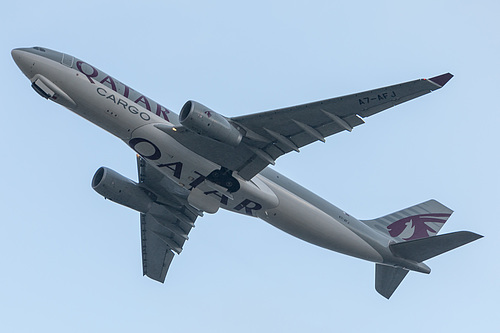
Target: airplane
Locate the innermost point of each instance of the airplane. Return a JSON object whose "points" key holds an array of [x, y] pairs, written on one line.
{"points": [[199, 161]]}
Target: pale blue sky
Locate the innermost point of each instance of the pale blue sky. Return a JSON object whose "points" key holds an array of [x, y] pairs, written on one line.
{"points": [[71, 260]]}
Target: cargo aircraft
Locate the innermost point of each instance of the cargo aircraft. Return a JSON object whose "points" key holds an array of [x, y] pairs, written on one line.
{"points": [[200, 161]]}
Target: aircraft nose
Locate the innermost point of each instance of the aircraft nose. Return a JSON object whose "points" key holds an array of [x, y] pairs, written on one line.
{"points": [[23, 60]]}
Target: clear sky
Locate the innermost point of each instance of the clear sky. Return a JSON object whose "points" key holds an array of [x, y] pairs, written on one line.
{"points": [[71, 261]]}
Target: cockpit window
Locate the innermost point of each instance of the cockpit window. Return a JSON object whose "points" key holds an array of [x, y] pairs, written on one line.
{"points": [[39, 48]]}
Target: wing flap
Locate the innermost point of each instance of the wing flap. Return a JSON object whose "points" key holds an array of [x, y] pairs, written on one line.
{"points": [[327, 128], [156, 255]]}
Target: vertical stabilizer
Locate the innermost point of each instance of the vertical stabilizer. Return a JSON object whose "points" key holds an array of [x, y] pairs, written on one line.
{"points": [[388, 278], [419, 221]]}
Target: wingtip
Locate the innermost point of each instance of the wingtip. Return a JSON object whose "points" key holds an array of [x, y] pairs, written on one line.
{"points": [[474, 236], [441, 80]]}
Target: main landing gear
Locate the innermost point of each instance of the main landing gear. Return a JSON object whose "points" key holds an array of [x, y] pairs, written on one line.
{"points": [[224, 178]]}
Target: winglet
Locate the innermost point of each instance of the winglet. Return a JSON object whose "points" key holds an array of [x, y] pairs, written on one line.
{"points": [[441, 80]]}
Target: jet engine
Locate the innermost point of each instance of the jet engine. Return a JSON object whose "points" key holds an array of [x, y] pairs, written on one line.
{"points": [[200, 119], [115, 187]]}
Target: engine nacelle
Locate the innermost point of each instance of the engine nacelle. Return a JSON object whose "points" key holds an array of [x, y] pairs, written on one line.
{"points": [[115, 187], [200, 119]]}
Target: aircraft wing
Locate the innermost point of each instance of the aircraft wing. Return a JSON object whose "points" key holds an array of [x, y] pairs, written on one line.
{"points": [[268, 135], [165, 227]]}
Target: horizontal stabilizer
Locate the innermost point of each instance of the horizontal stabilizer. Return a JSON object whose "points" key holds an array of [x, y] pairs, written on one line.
{"points": [[426, 248], [388, 278]]}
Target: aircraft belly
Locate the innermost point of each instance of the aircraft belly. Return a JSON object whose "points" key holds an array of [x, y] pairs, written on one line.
{"points": [[190, 170], [134, 124], [299, 218]]}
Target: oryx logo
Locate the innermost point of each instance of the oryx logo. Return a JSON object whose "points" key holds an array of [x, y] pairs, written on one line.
{"points": [[417, 226]]}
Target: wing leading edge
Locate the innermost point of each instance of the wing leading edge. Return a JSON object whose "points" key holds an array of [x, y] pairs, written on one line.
{"points": [[294, 127]]}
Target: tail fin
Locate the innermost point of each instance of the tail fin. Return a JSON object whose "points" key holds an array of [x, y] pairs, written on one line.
{"points": [[413, 231], [419, 221]]}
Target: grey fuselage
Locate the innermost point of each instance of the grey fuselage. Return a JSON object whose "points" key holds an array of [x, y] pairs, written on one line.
{"points": [[131, 116]]}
